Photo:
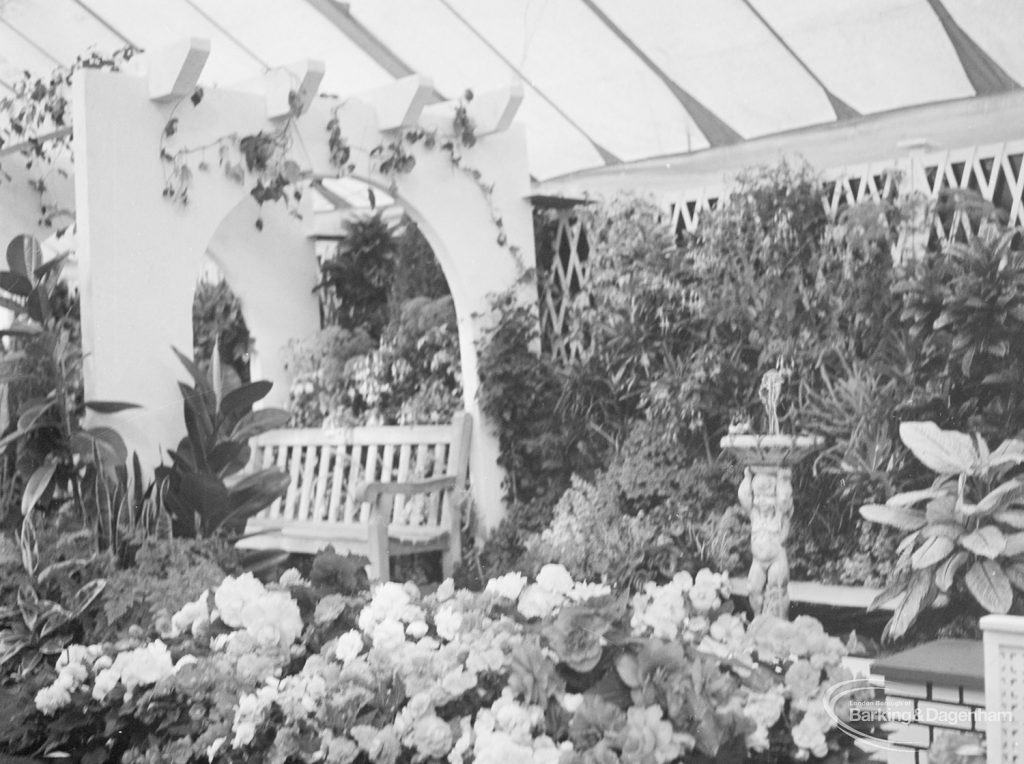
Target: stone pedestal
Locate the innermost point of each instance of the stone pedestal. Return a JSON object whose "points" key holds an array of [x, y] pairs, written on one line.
{"points": [[767, 494]]}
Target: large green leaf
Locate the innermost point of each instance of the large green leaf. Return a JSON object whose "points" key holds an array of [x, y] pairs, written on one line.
{"points": [[898, 517], [24, 254], [948, 530], [946, 452], [110, 407], [242, 398], [893, 589], [1012, 517], [30, 415], [228, 457], [16, 284], [932, 551], [919, 595], [1009, 452], [37, 485], [258, 422], [909, 498], [946, 572], [986, 541], [105, 442], [1008, 493], [990, 586], [1015, 573], [253, 494], [1014, 545]]}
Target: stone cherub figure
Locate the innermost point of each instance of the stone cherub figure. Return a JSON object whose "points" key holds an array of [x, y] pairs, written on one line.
{"points": [[770, 393], [768, 497]]}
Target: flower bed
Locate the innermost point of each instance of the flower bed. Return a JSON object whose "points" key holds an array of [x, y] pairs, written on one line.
{"points": [[550, 671]]}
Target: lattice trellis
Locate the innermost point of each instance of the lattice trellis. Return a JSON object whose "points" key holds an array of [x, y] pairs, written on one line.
{"points": [[1011, 699], [564, 271], [685, 212], [995, 172]]}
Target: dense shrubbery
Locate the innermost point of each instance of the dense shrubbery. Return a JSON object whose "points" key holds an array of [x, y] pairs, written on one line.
{"points": [[389, 352], [680, 334]]}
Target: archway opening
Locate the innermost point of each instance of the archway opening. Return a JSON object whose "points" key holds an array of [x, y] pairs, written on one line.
{"points": [[219, 327]]}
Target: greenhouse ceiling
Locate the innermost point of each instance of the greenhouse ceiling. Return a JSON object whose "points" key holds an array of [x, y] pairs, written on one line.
{"points": [[606, 81]]}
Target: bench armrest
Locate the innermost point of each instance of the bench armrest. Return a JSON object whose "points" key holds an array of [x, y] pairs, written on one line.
{"points": [[371, 491]]}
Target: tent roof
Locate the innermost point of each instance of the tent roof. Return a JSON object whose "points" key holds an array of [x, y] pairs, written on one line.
{"points": [[606, 81]]}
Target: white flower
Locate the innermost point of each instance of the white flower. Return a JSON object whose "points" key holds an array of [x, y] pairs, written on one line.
{"points": [[234, 594], [429, 643], [765, 708], [190, 612], [571, 701], [51, 699], [244, 733], [431, 737], [758, 740], [76, 654], [292, 577], [808, 737], [458, 681], [683, 581], [273, 619], [388, 635], [538, 602], [729, 630], [105, 681], [417, 629], [704, 598], [185, 660], [143, 666], [582, 591], [211, 750], [509, 585], [447, 622], [555, 578], [445, 591]]}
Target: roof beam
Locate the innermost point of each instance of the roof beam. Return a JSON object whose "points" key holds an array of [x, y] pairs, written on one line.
{"points": [[984, 74], [339, 15], [714, 128], [608, 157], [221, 28], [40, 49], [106, 24], [841, 109]]}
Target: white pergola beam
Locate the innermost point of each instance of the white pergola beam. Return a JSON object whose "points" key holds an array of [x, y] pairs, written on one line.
{"points": [[174, 71], [493, 111], [299, 81], [400, 103]]}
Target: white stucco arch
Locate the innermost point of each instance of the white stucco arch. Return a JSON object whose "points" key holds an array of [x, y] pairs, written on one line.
{"points": [[139, 253]]}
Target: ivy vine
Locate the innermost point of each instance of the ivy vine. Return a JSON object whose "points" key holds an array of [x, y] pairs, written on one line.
{"points": [[266, 157], [35, 122]]}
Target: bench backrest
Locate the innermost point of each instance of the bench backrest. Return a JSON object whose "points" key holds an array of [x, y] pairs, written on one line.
{"points": [[327, 467]]}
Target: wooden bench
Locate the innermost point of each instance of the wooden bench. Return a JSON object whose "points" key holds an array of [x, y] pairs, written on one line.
{"points": [[380, 491]]}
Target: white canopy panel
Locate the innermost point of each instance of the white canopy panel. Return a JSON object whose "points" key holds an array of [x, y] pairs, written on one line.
{"points": [[605, 81]]}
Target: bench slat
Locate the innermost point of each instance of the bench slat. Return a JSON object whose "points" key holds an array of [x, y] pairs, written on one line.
{"points": [[305, 509]]}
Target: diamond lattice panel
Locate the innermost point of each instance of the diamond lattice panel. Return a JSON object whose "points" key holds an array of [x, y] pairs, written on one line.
{"points": [[1011, 698]]}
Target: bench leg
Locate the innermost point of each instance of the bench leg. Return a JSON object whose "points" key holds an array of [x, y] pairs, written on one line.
{"points": [[380, 555], [452, 556]]}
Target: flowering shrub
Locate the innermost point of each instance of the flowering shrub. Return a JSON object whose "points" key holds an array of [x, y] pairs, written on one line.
{"points": [[551, 671]]}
